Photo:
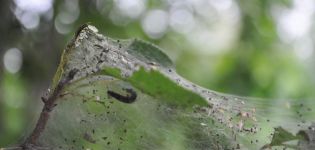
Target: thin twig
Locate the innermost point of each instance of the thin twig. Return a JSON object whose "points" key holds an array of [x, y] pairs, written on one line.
{"points": [[49, 105]]}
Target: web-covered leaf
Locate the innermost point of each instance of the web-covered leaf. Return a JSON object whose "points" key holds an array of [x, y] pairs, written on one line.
{"points": [[282, 137], [126, 94]]}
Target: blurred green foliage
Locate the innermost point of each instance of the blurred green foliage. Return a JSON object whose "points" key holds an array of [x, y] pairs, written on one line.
{"points": [[260, 57]]}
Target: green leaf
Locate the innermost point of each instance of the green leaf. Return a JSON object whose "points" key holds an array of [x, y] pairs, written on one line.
{"points": [[280, 136], [164, 89], [168, 112]]}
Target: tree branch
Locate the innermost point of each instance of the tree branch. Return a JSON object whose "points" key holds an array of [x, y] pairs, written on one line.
{"points": [[49, 105]]}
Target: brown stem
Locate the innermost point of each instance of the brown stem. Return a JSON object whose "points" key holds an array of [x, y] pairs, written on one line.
{"points": [[49, 104]]}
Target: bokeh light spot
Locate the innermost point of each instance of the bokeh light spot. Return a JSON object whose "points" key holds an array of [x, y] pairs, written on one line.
{"points": [[29, 20], [29, 12], [12, 60], [182, 20], [132, 9], [155, 23], [35, 6]]}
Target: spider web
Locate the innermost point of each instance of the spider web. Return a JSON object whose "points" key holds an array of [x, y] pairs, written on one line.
{"points": [[86, 117]]}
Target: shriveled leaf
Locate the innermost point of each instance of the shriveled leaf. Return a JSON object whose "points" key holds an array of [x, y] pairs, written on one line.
{"points": [[307, 137]]}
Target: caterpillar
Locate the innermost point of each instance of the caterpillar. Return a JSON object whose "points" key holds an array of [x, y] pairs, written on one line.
{"points": [[129, 98]]}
